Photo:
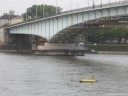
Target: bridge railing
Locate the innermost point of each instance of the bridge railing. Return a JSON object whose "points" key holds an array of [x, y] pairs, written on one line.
{"points": [[91, 8], [107, 5], [96, 7]]}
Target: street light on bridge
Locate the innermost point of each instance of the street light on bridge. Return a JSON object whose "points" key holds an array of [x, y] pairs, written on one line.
{"points": [[43, 9], [26, 14], [88, 3], [77, 4], [71, 4], [36, 12], [56, 7], [93, 4], [101, 3], [109, 2]]}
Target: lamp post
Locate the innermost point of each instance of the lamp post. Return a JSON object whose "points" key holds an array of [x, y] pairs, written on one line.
{"points": [[71, 4], [26, 15], [36, 11], [88, 3], [43, 10], [93, 4], [9, 19], [109, 2], [77, 4], [56, 7], [101, 3]]}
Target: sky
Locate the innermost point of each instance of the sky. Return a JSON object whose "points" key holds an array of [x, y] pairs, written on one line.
{"points": [[20, 6]]}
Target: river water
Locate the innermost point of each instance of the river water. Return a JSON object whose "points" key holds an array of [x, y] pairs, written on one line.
{"points": [[32, 75]]}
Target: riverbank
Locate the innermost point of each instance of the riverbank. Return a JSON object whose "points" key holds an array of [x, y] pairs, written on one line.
{"points": [[112, 52], [108, 47], [93, 49], [51, 49]]}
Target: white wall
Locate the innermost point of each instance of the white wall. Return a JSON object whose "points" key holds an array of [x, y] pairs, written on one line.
{"points": [[1, 36], [3, 21]]}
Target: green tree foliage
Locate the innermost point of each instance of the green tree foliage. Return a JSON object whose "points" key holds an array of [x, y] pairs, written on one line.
{"points": [[5, 25], [39, 11], [114, 35]]}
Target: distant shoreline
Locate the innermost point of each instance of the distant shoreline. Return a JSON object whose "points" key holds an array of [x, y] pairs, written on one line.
{"points": [[97, 52], [112, 52], [109, 48]]}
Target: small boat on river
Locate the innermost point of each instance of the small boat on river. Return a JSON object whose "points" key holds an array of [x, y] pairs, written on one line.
{"points": [[88, 81], [92, 80]]}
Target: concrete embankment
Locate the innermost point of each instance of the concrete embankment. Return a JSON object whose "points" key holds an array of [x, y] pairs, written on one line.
{"points": [[47, 49], [112, 52], [8, 48]]}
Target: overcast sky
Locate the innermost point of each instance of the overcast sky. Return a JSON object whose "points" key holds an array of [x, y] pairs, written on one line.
{"points": [[19, 6]]}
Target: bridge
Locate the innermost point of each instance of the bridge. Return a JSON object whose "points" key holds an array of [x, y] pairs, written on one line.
{"points": [[66, 25]]}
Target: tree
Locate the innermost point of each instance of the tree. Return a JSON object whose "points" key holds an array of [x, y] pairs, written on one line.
{"points": [[114, 35], [39, 11], [5, 25]]}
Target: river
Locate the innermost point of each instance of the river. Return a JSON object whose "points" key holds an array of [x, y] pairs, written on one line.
{"points": [[32, 75]]}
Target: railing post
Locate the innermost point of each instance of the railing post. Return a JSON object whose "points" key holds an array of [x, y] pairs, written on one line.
{"points": [[93, 6], [109, 2], [101, 4]]}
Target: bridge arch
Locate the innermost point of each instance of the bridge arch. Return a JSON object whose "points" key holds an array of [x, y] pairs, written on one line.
{"points": [[50, 26]]}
